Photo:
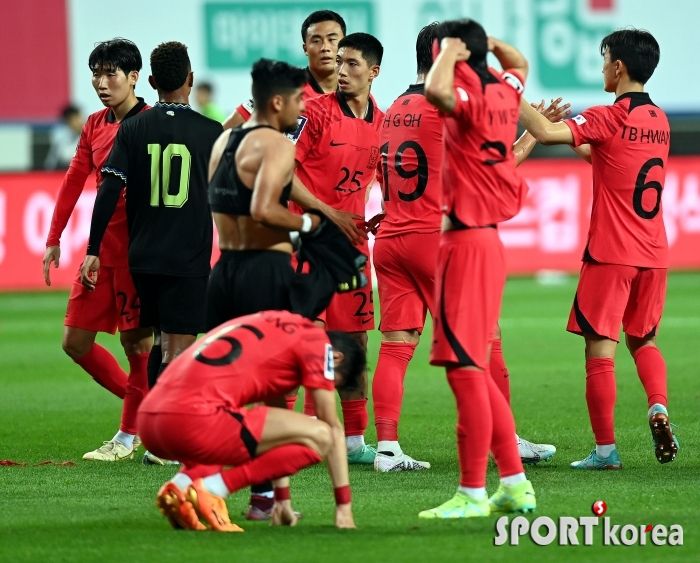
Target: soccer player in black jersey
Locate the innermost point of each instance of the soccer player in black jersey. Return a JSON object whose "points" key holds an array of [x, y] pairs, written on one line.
{"points": [[162, 157]]}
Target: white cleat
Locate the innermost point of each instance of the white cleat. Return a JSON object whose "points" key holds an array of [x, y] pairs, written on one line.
{"points": [[385, 463], [151, 459], [530, 453], [113, 450], [137, 442]]}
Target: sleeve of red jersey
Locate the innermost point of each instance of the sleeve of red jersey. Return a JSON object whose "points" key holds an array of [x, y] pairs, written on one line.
{"points": [[245, 110], [117, 163], [592, 126], [467, 86], [308, 131], [316, 363], [515, 79], [73, 183]]}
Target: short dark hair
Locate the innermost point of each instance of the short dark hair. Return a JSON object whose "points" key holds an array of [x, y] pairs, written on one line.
{"points": [[354, 359], [205, 86], [272, 78], [370, 47], [424, 48], [68, 111], [637, 48], [322, 16], [117, 53], [170, 65], [473, 35]]}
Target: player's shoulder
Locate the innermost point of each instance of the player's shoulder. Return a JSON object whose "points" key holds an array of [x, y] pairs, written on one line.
{"points": [[98, 118], [321, 105]]}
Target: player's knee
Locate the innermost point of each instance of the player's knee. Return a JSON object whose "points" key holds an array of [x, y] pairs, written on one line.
{"points": [[76, 348], [136, 341], [322, 437]]}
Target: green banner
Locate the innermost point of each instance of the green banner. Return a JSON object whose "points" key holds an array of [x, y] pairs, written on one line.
{"points": [[239, 33]]}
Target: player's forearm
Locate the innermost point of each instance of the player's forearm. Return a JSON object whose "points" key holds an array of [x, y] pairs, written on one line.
{"points": [[68, 196], [105, 204], [535, 123], [233, 120], [584, 151], [337, 457], [439, 83], [276, 216], [523, 147], [509, 56], [301, 195]]}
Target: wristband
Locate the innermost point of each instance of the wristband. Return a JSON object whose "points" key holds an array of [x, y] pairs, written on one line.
{"points": [[282, 493], [305, 223], [342, 495]]}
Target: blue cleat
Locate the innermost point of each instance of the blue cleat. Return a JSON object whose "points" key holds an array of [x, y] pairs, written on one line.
{"points": [[666, 444], [593, 462], [364, 455]]}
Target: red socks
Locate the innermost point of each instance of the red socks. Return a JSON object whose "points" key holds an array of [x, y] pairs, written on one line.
{"points": [[136, 389], [291, 401], [498, 369], [355, 417], [273, 464], [600, 396], [651, 369], [504, 444], [104, 368], [387, 387], [309, 408]]}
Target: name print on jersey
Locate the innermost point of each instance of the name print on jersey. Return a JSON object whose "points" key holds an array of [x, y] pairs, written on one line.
{"points": [[657, 136]]}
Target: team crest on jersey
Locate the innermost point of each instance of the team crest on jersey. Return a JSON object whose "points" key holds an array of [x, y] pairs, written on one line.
{"points": [[373, 155], [514, 81], [579, 119], [294, 137], [328, 370], [248, 106]]}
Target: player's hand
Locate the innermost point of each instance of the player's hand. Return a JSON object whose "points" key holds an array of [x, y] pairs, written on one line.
{"points": [[554, 112], [89, 271], [343, 516], [372, 225], [52, 254], [491, 43], [315, 221], [456, 46], [283, 514], [347, 223]]}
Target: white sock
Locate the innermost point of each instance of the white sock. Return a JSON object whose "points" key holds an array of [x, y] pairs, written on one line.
{"points": [[124, 438], [512, 480], [476, 494], [216, 486], [605, 450], [354, 442], [658, 407], [265, 494], [391, 446], [181, 480]]}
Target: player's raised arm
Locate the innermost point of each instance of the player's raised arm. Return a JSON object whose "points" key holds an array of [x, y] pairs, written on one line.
{"points": [[555, 113], [233, 120], [542, 129], [439, 83], [509, 57]]}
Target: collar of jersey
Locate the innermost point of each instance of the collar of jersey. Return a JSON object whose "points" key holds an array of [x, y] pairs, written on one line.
{"points": [[345, 108], [171, 106], [132, 112], [315, 86], [633, 95]]}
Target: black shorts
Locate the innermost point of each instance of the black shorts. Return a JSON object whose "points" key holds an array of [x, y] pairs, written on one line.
{"points": [[244, 282], [173, 304]]}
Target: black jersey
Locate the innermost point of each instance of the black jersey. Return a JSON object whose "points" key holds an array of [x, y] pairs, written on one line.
{"points": [[163, 159], [227, 192]]}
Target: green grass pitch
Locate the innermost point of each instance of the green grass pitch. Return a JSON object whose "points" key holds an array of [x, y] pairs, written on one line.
{"points": [[51, 410]]}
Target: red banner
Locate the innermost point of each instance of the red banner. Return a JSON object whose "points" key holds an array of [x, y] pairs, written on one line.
{"points": [[548, 234]]}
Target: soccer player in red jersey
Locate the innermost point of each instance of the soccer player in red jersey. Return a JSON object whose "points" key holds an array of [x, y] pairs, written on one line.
{"points": [[197, 414], [404, 253], [480, 189], [337, 154], [623, 276], [114, 304]]}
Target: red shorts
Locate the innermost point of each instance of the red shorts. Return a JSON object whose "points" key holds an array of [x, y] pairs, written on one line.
{"points": [[352, 311], [609, 295], [471, 276], [405, 266], [226, 437], [113, 305]]}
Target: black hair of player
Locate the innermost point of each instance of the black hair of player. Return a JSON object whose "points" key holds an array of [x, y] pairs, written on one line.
{"points": [[170, 65], [206, 86], [322, 16], [637, 48], [354, 359], [273, 78], [68, 112], [117, 53], [368, 45], [424, 48], [474, 37]]}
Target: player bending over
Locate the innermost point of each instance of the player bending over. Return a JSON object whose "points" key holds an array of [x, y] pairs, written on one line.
{"points": [[623, 276], [197, 414]]}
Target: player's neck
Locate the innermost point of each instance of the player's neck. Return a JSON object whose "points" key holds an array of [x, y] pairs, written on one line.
{"points": [[125, 107], [420, 79], [625, 86], [328, 83], [257, 119], [179, 96], [359, 104]]}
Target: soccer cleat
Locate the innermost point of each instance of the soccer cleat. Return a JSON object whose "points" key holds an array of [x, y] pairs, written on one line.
{"points": [[531, 454], [459, 506], [666, 444], [385, 463], [598, 463], [137, 443], [210, 508], [260, 508], [518, 498], [151, 459], [364, 455], [179, 511], [113, 450]]}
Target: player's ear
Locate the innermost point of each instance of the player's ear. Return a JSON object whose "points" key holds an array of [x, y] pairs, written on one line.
{"points": [[133, 77], [277, 102], [306, 52], [190, 79], [152, 82], [374, 72]]}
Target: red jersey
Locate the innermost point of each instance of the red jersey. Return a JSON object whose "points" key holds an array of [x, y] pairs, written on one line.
{"points": [[629, 152], [411, 165], [245, 360], [94, 146], [337, 153], [480, 184]]}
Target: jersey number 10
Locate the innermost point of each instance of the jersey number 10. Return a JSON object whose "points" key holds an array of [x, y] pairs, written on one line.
{"points": [[169, 199]]}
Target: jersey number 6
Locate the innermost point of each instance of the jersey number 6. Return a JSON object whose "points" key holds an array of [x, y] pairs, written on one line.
{"points": [[641, 186], [169, 199]]}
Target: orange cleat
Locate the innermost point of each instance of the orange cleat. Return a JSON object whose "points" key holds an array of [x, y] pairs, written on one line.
{"points": [[210, 508], [179, 511]]}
